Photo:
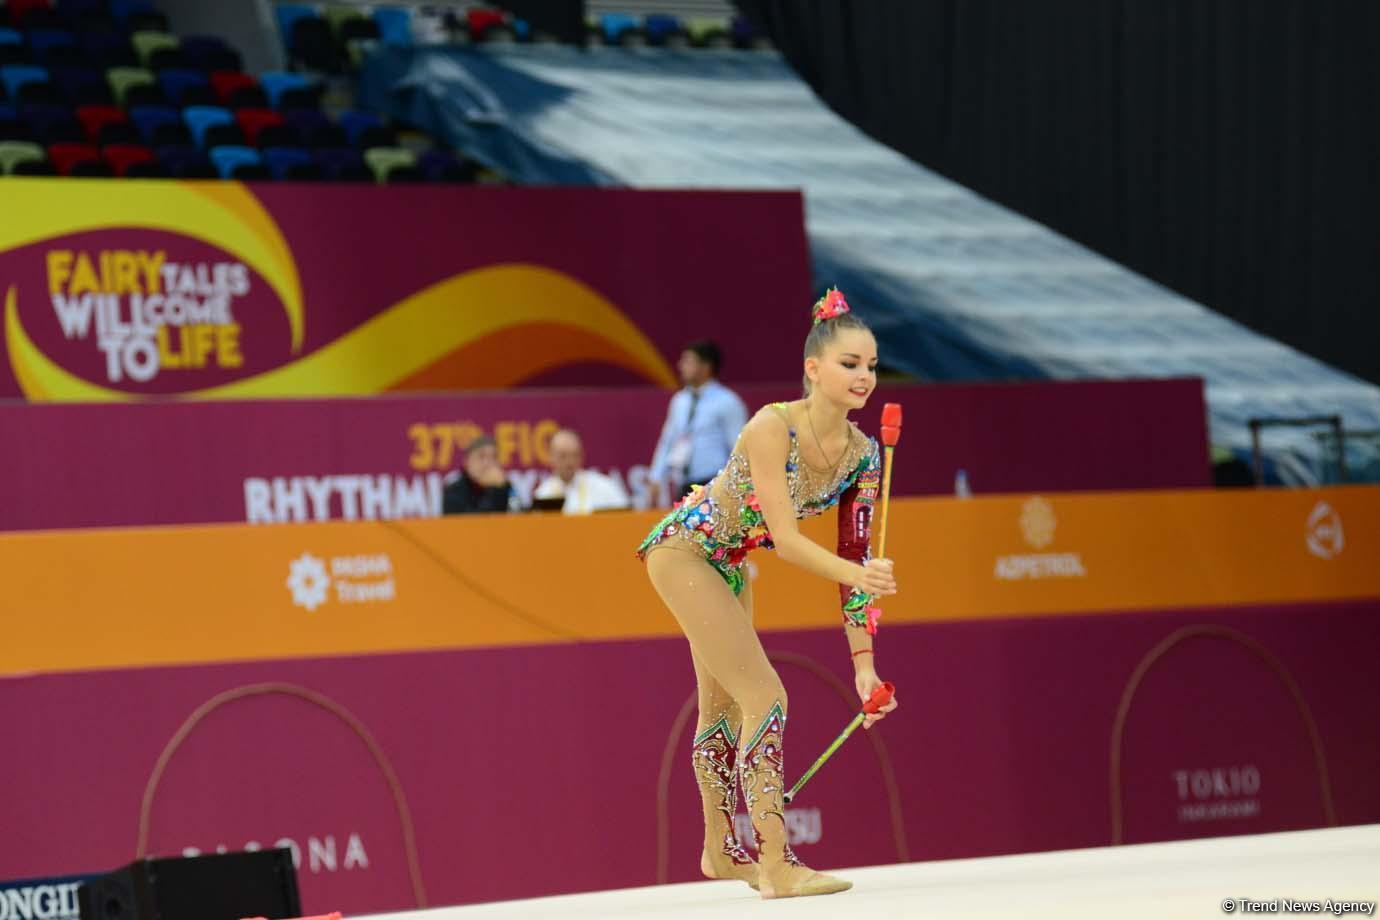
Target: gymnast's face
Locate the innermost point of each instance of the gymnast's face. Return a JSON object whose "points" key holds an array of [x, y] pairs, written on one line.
{"points": [[845, 372]]}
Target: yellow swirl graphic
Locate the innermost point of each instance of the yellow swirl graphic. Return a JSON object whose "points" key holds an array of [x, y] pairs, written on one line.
{"points": [[508, 322], [222, 214]]}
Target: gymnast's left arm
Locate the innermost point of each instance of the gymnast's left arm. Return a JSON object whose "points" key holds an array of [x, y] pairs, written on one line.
{"points": [[860, 612]]}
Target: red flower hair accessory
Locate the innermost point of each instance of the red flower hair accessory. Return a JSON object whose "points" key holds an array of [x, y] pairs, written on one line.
{"points": [[829, 306]]}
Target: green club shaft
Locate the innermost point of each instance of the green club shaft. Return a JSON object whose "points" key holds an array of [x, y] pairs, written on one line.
{"points": [[828, 752]]}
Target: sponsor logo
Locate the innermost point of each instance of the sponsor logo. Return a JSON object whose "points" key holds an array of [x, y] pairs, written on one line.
{"points": [[1217, 793], [359, 579], [1324, 535], [321, 854], [41, 899], [1038, 524]]}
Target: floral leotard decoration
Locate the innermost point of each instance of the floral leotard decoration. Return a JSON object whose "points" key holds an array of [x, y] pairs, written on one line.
{"points": [[723, 520]]}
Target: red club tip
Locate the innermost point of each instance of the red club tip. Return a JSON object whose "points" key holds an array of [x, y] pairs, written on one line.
{"points": [[880, 697], [891, 415]]}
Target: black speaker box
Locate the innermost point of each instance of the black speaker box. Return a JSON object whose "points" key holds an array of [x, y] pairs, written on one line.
{"points": [[226, 886]]}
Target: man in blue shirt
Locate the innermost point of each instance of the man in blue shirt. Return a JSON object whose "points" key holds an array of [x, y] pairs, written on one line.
{"points": [[702, 423]]}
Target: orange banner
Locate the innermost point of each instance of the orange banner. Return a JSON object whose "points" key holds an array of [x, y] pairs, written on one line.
{"points": [[115, 598]]}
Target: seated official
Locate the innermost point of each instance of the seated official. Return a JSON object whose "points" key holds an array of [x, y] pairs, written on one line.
{"points": [[482, 485], [583, 490]]}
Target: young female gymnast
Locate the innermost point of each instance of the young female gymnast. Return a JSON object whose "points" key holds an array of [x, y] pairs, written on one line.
{"points": [[793, 460]]}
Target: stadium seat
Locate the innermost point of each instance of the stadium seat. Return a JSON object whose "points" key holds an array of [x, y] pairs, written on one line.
{"points": [[438, 166], [52, 124], [13, 153], [10, 37], [19, 10], [15, 76], [184, 162], [185, 87], [121, 158], [365, 130], [106, 49], [237, 90], [202, 120], [68, 157], [42, 41], [343, 165], [124, 10], [83, 8], [620, 28], [208, 53], [383, 161], [291, 163], [253, 121], [123, 80], [12, 127], [708, 33], [662, 30], [313, 44], [287, 15], [95, 117], [290, 90], [316, 129], [152, 48], [234, 162], [481, 19], [81, 86], [395, 25], [160, 125]]}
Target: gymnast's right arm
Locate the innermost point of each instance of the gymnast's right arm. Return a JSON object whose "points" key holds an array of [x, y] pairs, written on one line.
{"points": [[766, 442]]}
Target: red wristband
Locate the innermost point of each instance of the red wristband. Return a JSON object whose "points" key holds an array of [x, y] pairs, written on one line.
{"points": [[861, 651]]}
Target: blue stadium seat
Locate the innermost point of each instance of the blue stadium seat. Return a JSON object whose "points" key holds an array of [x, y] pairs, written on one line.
{"points": [[10, 37], [82, 86], [159, 125], [16, 75], [186, 87], [613, 25], [661, 27], [41, 41], [201, 118], [287, 15], [291, 163], [186, 163], [208, 53], [52, 124], [123, 10], [342, 165], [230, 159], [395, 25], [76, 8], [293, 88], [107, 49]]}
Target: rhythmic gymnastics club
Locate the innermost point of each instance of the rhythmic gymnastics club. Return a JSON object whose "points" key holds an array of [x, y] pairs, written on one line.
{"points": [[891, 433], [879, 698]]}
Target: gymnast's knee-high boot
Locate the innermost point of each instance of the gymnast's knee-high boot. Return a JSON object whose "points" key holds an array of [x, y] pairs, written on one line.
{"points": [[715, 756], [761, 769]]}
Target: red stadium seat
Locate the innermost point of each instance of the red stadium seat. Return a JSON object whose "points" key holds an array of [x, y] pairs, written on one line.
{"points": [[66, 157], [227, 82], [122, 156], [95, 117], [482, 19], [18, 9], [252, 121]]}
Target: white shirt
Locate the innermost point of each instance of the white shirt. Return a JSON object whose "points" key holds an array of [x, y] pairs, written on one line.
{"points": [[588, 491]]}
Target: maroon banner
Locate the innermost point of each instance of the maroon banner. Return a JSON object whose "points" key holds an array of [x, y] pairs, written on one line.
{"points": [[388, 457], [516, 772], [223, 290]]}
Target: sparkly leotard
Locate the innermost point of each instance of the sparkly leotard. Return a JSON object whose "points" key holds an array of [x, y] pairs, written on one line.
{"points": [[722, 521]]}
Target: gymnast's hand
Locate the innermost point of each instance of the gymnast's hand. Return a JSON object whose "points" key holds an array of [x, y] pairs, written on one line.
{"points": [[877, 578], [866, 680]]}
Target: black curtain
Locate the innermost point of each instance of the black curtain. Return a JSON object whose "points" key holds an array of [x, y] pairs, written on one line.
{"points": [[1225, 148]]}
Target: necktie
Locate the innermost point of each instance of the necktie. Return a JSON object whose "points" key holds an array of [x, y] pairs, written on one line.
{"points": [[689, 420]]}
